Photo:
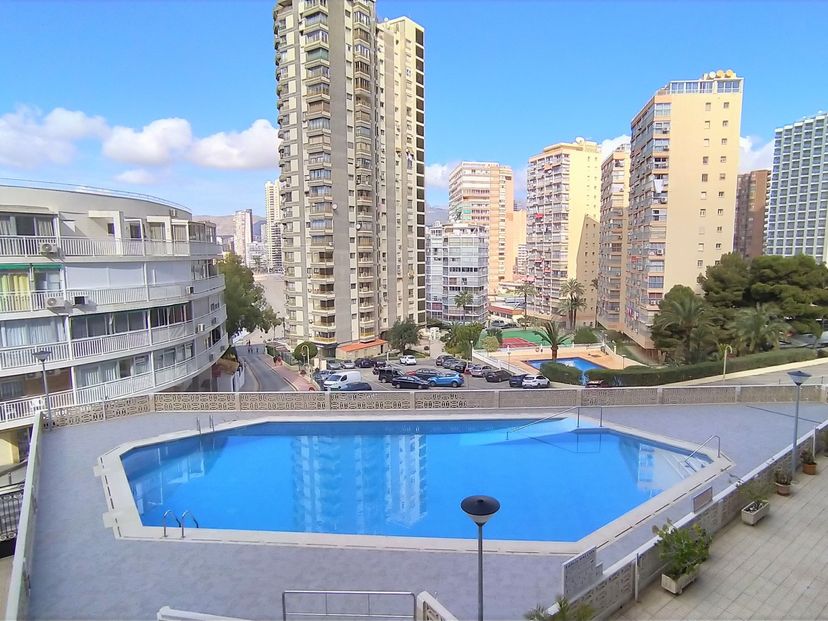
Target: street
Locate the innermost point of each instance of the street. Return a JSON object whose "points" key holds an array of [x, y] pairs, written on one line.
{"points": [[259, 376]]}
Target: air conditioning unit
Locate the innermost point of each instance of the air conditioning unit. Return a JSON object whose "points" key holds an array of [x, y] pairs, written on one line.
{"points": [[214, 320], [190, 290], [56, 303], [212, 357], [80, 300], [200, 327], [48, 249]]}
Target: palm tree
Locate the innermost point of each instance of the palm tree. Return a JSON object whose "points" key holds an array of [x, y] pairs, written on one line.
{"points": [[462, 300], [526, 290], [689, 319], [759, 328], [569, 308], [571, 293], [552, 335]]}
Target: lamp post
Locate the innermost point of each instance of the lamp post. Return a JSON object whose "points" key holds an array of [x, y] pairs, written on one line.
{"points": [[480, 509], [509, 357], [727, 350], [42, 356], [798, 378], [307, 355]]}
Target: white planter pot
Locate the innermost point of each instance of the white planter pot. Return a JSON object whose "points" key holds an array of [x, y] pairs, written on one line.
{"points": [[751, 517], [677, 586]]}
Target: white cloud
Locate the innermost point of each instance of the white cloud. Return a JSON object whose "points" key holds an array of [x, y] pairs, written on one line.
{"points": [[437, 175], [155, 144], [29, 139], [520, 181], [753, 154], [611, 144], [255, 147], [137, 176]]}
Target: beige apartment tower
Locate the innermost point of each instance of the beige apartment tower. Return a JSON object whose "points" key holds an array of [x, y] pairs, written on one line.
{"points": [[272, 231], [483, 193], [563, 207], [684, 160], [351, 122], [243, 229], [612, 238]]}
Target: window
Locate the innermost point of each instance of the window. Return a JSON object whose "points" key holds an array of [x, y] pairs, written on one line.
{"points": [[707, 106], [707, 142], [705, 160], [26, 225], [723, 159], [724, 141], [718, 246], [703, 196], [720, 212], [40, 331], [704, 177], [725, 123], [722, 176], [721, 195], [699, 263], [701, 247], [718, 229], [707, 124], [702, 213], [726, 105]]}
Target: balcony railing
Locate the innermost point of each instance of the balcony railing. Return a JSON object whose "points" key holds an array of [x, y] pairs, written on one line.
{"points": [[24, 246]]}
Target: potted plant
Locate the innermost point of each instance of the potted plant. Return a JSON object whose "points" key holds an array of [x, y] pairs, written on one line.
{"points": [[683, 550], [806, 456], [782, 479], [755, 492], [566, 611]]}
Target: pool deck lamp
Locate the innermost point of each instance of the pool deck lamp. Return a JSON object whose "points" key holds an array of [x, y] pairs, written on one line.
{"points": [[480, 509], [42, 356], [798, 378]]}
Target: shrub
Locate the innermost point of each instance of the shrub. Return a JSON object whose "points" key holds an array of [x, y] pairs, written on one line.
{"points": [[497, 333], [490, 344], [682, 549], [822, 353], [646, 376], [556, 372], [584, 336]]}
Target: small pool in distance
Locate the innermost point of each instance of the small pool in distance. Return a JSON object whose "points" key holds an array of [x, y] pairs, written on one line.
{"points": [[403, 478], [579, 363]]}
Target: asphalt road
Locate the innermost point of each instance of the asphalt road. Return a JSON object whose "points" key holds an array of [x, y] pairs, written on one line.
{"points": [[259, 377]]}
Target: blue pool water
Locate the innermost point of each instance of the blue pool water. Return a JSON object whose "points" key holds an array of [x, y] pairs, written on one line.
{"points": [[403, 478], [579, 363]]}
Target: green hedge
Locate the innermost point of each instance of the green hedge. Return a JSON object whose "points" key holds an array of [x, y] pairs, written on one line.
{"points": [[646, 376], [584, 336], [562, 373], [822, 353]]}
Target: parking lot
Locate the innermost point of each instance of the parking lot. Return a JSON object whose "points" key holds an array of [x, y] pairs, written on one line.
{"points": [[469, 382]]}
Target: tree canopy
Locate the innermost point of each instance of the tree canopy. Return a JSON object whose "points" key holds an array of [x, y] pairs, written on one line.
{"points": [[490, 344], [305, 352], [682, 327], [402, 334], [246, 305], [460, 337], [551, 334]]}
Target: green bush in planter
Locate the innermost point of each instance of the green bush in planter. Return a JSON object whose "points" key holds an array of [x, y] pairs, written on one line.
{"points": [[584, 336], [565, 374], [682, 549]]}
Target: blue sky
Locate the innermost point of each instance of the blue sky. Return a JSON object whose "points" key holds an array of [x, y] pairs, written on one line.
{"points": [[177, 99]]}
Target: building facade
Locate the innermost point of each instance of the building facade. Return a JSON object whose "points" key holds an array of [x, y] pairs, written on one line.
{"points": [[272, 235], [521, 255], [483, 193], [120, 291], [798, 203], [563, 208], [243, 228], [351, 120], [612, 238], [457, 262], [751, 203], [684, 159]]}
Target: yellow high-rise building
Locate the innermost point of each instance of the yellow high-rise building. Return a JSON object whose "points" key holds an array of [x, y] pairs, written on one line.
{"points": [[483, 193], [563, 206], [684, 161]]}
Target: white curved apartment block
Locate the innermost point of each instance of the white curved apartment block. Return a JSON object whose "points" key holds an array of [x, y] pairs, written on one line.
{"points": [[122, 290]]}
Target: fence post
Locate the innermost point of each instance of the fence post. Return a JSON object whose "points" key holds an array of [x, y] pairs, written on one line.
{"points": [[659, 395], [237, 399], [498, 398], [151, 402], [327, 399], [412, 401], [737, 395], [579, 396]]}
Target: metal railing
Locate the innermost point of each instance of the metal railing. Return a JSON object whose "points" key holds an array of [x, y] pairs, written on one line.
{"points": [[327, 610], [32, 246], [544, 419], [11, 502]]}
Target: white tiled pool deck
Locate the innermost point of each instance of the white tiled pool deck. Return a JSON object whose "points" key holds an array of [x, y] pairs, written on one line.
{"points": [[777, 569], [81, 571]]}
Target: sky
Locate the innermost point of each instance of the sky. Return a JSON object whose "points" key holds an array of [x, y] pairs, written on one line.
{"points": [[177, 99]]}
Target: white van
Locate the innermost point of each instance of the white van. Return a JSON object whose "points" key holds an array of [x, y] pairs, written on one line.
{"points": [[335, 381]]}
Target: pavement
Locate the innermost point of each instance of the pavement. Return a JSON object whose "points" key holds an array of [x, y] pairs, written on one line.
{"points": [[260, 374], [777, 569], [819, 375]]}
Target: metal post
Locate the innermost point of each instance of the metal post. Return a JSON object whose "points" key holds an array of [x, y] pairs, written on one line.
{"points": [[49, 421], [727, 350], [480, 572], [795, 432]]}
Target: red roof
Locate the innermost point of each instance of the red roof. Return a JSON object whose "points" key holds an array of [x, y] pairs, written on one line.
{"points": [[358, 346], [505, 310]]}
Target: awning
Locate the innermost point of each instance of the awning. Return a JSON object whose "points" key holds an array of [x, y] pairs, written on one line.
{"points": [[16, 267]]}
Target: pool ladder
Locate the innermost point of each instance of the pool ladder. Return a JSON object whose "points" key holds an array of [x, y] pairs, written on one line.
{"points": [[179, 522], [211, 423]]}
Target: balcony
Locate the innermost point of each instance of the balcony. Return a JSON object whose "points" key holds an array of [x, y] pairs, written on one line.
{"points": [[152, 293], [56, 247]]}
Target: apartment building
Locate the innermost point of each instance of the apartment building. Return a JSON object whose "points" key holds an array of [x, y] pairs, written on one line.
{"points": [[521, 255], [751, 203], [352, 155], [118, 293], [483, 193], [612, 238], [684, 160], [272, 231], [457, 262], [563, 208], [243, 228], [797, 216]]}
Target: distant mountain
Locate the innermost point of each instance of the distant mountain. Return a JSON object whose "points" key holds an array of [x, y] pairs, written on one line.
{"points": [[436, 213], [225, 228]]}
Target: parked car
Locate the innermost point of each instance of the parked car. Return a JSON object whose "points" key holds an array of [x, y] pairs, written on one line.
{"points": [[380, 364], [535, 381], [479, 370], [335, 381], [598, 384], [497, 375], [454, 380], [516, 381], [456, 365], [441, 360], [408, 360], [354, 386], [409, 381], [320, 376], [497, 323], [348, 364], [364, 363], [386, 374], [334, 365], [426, 373]]}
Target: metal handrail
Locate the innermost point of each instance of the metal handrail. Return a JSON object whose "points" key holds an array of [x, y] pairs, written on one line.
{"points": [[540, 420], [164, 520], [340, 615], [192, 517], [699, 447]]}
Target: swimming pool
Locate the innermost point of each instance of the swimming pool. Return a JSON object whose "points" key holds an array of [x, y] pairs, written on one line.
{"points": [[404, 478], [579, 363]]}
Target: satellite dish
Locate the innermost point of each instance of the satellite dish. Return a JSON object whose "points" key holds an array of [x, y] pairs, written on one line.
{"points": [[720, 74], [358, 226], [334, 206], [730, 73]]}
